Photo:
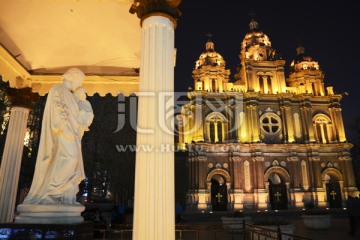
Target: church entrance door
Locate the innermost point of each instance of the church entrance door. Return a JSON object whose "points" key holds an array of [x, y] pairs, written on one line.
{"points": [[333, 194], [278, 196], [218, 194]]}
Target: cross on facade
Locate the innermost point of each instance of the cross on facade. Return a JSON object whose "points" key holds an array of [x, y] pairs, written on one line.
{"points": [[219, 196], [209, 35], [333, 193], [277, 195]]}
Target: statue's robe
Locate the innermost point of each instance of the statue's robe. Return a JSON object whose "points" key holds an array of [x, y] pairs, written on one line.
{"points": [[59, 164]]}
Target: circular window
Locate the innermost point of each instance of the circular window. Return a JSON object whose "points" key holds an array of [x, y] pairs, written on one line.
{"points": [[270, 123]]}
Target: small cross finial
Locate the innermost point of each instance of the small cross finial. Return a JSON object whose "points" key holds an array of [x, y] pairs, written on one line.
{"points": [[299, 42], [209, 35], [252, 14], [300, 49]]}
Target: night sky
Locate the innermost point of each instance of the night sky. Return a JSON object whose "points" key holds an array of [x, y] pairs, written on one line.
{"points": [[327, 29]]}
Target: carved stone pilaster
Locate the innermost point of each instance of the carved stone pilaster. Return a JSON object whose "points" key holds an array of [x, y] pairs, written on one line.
{"points": [[21, 97], [258, 159], [147, 8]]}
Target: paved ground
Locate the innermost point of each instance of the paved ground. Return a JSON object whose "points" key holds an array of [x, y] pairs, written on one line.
{"points": [[209, 226], [339, 229]]}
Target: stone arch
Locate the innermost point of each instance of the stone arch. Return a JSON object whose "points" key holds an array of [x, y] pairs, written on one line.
{"points": [[278, 193], [331, 172], [216, 115], [218, 171], [323, 128], [278, 170], [333, 185], [216, 127], [319, 116], [269, 74], [216, 191]]}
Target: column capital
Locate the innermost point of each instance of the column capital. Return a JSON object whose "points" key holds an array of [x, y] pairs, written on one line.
{"points": [[202, 158], [21, 97], [236, 159], [292, 159], [147, 8], [314, 158]]}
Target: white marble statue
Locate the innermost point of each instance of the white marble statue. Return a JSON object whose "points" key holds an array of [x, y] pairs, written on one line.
{"points": [[59, 165]]}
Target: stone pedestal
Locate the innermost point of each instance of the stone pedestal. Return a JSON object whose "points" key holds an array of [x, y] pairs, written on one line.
{"points": [[50, 213]]}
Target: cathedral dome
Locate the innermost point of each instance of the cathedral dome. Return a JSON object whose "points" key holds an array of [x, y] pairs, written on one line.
{"points": [[256, 44], [303, 61], [210, 57], [255, 36]]}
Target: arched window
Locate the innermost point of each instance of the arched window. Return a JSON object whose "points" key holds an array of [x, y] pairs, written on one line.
{"points": [[269, 84], [265, 81], [314, 89], [212, 131], [323, 128], [216, 124], [261, 82], [213, 85], [220, 131]]}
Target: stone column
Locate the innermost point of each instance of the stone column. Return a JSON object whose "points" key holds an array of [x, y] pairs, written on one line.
{"points": [[287, 116], [307, 118], [181, 131], [216, 132], [21, 101], [339, 124], [154, 209], [208, 131], [255, 124], [199, 134]]}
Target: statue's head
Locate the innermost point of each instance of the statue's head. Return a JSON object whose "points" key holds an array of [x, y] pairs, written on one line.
{"points": [[74, 77]]}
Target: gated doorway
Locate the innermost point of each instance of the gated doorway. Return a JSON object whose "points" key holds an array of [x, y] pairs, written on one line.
{"points": [[218, 193], [333, 195], [332, 179], [277, 192]]}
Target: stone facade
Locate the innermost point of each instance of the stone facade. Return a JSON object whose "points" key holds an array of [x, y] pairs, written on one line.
{"points": [[263, 141]]}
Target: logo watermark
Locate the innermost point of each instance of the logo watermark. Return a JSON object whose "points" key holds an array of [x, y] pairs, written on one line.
{"points": [[176, 148], [170, 111]]}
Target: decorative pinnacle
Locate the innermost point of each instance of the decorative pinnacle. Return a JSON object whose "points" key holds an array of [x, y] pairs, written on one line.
{"points": [[209, 44], [209, 35], [252, 14], [300, 49], [253, 24]]}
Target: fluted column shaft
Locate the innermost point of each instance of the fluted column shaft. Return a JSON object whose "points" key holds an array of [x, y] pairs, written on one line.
{"points": [[21, 102], [154, 179], [11, 162]]}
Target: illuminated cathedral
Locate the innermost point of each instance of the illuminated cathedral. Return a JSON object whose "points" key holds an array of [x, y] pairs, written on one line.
{"points": [[263, 140]]}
